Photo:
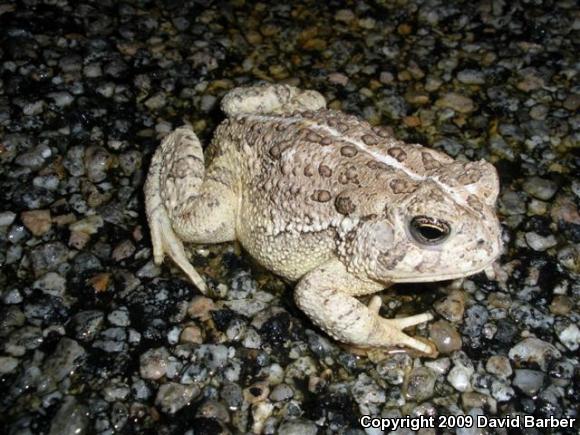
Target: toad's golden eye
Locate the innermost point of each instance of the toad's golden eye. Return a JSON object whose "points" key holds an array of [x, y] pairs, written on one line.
{"points": [[429, 231]]}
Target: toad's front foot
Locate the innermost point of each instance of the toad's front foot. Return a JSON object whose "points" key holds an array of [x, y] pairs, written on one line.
{"points": [[392, 329]]}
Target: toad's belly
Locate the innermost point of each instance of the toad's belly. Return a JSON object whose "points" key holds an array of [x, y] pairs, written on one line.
{"points": [[290, 254]]}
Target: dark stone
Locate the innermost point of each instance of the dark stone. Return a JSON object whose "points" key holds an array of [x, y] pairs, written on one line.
{"points": [[276, 329], [506, 332], [475, 317], [339, 410], [222, 318], [206, 426]]}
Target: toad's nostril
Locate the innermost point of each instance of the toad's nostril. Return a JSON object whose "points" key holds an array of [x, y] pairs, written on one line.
{"points": [[480, 242]]}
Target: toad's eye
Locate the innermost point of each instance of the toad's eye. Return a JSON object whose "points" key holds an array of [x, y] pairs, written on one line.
{"points": [[429, 231]]}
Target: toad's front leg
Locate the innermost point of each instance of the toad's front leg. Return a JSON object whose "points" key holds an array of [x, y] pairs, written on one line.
{"points": [[325, 296]]}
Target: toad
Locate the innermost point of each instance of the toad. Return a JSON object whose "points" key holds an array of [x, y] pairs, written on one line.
{"points": [[323, 198]]}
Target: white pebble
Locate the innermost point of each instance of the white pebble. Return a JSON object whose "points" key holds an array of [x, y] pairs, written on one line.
{"points": [[6, 218], [540, 243], [35, 108], [459, 377], [570, 337], [62, 99]]}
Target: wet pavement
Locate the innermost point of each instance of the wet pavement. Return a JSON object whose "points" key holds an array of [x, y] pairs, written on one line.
{"points": [[95, 338]]}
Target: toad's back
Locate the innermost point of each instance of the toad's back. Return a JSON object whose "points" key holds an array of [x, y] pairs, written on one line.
{"points": [[308, 170]]}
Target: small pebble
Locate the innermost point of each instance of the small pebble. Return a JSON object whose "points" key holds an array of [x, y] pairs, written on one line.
{"points": [[154, 363], [62, 99], [123, 250], [394, 368], [12, 296], [540, 188], [38, 222], [256, 393], [472, 399], [561, 305], [471, 77], [48, 257], [66, 358], [8, 364], [344, 15], [457, 102], [87, 324], [365, 390], [298, 427], [528, 381], [89, 225], [51, 283], [570, 337], [439, 366], [499, 366], [420, 383], [540, 243], [539, 112], [35, 108], [6, 218], [72, 418], [191, 334], [534, 350], [338, 79], [386, 77], [512, 203], [149, 270], [452, 306], [200, 308], [156, 102], [97, 162], [119, 317], [460, 374], [232, 395], [281, 392], [171, 397], [213, 409], [530, 82], [572, 102], [445, 336], [502, 391]]}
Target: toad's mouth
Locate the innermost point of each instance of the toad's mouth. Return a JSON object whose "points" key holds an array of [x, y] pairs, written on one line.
{"points": [[443, 276]]}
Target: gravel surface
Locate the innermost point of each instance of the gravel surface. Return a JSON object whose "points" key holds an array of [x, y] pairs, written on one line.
{"points": [[97, 339]]}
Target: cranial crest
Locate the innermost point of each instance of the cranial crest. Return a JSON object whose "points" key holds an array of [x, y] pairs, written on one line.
{"points": [[475, 178]]}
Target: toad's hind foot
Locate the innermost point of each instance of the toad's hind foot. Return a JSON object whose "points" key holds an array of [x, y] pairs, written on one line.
{"points": [[187, 203], [166, 242], [159, 195]]}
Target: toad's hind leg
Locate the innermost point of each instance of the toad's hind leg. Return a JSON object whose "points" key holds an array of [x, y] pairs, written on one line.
{"points": [[184, 203], [271, 99]]}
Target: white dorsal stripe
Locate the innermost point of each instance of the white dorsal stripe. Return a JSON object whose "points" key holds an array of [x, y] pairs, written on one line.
{"points": [[455, 192]]}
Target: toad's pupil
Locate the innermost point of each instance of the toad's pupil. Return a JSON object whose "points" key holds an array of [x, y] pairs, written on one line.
{"points": [[431, 233]]}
